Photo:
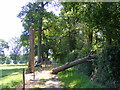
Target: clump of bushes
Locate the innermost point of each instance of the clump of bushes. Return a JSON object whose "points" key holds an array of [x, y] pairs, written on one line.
{"points": [[107, 66], [87, 67], [71, 56]]}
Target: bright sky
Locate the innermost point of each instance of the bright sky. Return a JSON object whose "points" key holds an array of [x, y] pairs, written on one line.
{"points": [[10, 24]]}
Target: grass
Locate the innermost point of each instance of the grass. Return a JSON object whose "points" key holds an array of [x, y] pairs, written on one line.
{"points": [[7, 72], [73, 79], [11, 81], [10, 69]]}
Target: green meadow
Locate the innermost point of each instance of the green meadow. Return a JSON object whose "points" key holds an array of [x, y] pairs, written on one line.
{"points": [[11, 75]]}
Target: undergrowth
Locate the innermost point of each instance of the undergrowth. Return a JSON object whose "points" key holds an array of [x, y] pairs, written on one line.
{"points": [[73, 79]]}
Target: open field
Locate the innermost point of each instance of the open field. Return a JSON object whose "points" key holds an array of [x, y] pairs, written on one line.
{"points": [[11, 75]]}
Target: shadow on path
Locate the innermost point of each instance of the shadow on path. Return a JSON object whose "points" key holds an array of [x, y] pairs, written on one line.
{"points": [[43, 79]]}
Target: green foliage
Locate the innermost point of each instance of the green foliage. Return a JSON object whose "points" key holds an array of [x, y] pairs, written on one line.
{"points": [[87, 67], [71, 56], [3, 46], [16, 49], [107, 65], [73, 79]]}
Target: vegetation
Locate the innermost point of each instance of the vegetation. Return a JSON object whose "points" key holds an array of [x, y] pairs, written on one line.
{"points": [[15, 49], [11, 81], [71, 78], [79, 28], [3, 45]]}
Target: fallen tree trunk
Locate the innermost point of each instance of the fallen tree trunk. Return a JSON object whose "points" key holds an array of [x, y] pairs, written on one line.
{"points": [[71, 64]]}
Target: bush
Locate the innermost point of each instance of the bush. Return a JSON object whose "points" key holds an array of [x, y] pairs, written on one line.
{"points": [[71, 56], [87, 67], [108, 66]]}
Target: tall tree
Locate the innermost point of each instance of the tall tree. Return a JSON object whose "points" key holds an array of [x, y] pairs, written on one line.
{"points": [[33, 14], [36, 15]]}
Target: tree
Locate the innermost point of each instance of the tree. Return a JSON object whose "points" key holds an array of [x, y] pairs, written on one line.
{"points": [[105, 17], [15, 45], [35, 14], [3, 46]]}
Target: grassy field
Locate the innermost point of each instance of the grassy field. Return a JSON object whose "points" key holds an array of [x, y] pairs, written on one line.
{"points": [[12, 81], [73, 79]]}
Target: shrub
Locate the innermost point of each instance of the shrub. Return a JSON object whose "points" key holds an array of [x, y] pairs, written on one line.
{"points": [[71, 56], [87, 67], [108, 66]]}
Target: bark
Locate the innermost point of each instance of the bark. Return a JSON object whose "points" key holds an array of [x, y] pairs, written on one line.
{"points": [[71, 64], [40, 36], [31, 55]]}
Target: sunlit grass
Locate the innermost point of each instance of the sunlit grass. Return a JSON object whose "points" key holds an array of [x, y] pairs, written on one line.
{"points": [[73, 79], [12, 66], [6, 72], [11, 81], [10, 69], [8, 81]]}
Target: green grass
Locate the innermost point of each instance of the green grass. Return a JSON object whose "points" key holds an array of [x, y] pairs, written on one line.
{"points": [[11, 81], [10, 69], [7, 72], [73, 79]]}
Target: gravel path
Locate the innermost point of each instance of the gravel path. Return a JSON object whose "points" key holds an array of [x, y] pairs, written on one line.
{"points": [[42, 79]]}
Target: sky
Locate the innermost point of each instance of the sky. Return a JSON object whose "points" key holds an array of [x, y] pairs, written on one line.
{"points": [[10, 24]]}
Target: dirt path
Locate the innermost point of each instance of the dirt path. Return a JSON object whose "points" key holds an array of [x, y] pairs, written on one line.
{"points": [[42, 79]]}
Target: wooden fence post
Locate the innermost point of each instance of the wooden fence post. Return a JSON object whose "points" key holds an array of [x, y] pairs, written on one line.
{"points": [[23, 79]]}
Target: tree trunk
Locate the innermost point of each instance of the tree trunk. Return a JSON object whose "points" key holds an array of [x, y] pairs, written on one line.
{"points": [[71, 64], [40, 36], [31, 56]]}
